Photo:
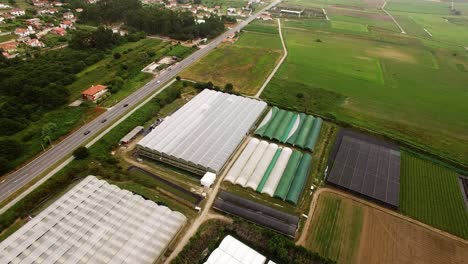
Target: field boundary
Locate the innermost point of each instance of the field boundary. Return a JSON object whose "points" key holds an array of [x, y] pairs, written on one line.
{"points": [[313, 205], [394, 20], [285, 50]]}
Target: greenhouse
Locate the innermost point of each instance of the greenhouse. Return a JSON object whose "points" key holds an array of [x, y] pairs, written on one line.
{"points": [[203, 134], [94, 222], [260, 214], [232, 251], [267, 168], [299, 130]]}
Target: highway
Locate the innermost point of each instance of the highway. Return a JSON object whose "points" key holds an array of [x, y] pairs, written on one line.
{"points": [[47, 160]]}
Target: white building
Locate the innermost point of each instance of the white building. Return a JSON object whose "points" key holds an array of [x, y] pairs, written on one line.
{"points": [[18, 12]]}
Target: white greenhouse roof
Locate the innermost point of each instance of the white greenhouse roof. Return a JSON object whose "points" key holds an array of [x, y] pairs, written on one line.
{"points": [[94, 222], [206, 130], [232, 251]]}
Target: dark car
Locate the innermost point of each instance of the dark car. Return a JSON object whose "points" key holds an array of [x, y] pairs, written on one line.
{"points": [[125, 105], [103, 121], [87, 132]]}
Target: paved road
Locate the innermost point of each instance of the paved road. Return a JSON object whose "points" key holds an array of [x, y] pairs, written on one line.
{"points": [[16, 180]]}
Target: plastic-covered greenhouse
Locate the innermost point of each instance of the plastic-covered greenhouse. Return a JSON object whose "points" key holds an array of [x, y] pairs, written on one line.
{"points": [[203, 134], [270, 169], [94, 222], [299, 130]]}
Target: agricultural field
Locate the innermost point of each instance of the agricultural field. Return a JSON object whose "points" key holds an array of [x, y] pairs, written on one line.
{"points": [[431, 194], [383, 82], [349, 231], [336, 228], [246, 63]]}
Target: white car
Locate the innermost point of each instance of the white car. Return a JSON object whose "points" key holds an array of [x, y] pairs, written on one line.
{"points": [[158, 81]]}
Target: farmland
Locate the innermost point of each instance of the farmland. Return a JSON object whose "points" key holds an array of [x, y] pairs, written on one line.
{"points": [[246, 64], [431, 194], [383, 82], [335, 230], [350, 231]]}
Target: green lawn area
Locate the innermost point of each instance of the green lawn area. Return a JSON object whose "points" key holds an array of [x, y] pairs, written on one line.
{"points": [[335, 229], [5, 38], [246, 64], [128, 67], [431, 194], [349, 26], [388, 83]]}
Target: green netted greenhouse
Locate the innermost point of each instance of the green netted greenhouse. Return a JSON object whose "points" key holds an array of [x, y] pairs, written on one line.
{"points": [[299, 130]]}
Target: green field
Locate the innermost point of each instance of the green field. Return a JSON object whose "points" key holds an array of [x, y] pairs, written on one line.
{"points": [[344, 25], [431, 194], [246, 64], [384, 82], [419, 6], [335, 229]]}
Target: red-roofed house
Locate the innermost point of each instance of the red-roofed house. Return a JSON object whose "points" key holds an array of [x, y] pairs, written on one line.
{"points": [[66, 24], [22, 32], [9, 47], [59, 31], [94, 92], [35, 43]]}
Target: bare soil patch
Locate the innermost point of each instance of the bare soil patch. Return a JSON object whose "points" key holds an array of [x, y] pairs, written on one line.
{"points": [[358, 13], [389, 239], [392, 53]]}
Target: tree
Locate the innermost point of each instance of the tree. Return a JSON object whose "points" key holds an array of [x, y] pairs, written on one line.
{"points": [[209, 85], [229, 87], [117, 56], [178, 78], [81, 153], [10, 149]]}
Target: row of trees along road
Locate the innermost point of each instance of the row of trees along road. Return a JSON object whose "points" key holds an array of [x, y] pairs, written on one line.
{"points": [[151, 19]]}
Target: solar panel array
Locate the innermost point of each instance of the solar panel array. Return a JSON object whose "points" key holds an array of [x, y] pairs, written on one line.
{"points": [[367, 168], [94, 222], [205, 131]]}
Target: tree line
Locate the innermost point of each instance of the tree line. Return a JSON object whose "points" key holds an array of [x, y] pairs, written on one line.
{"points": [[156, 20]]}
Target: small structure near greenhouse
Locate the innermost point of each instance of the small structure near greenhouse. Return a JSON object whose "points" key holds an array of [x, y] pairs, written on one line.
{"points": [[208, 179], [463, 180], [204, 133], [94, 92], [266, 168], [299, 130], [366, 166], [232, 251], [95, 222], [259, 214], [131, 135]]}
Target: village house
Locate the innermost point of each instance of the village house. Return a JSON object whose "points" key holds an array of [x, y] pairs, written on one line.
{"points": [[4, 6], [66, 24], [94, 92], [68, 15], [9, 47], [18, 12], [231, 11], [57, 3], [2, 19], [59, 31], [24, 32], [35, 43], [79, 10], [40, 3], [49, 11]]}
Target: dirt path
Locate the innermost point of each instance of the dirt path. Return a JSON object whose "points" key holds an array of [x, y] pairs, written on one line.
{"points": [[277, 65], [394, 20], [205, 214], [305, 231]]}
